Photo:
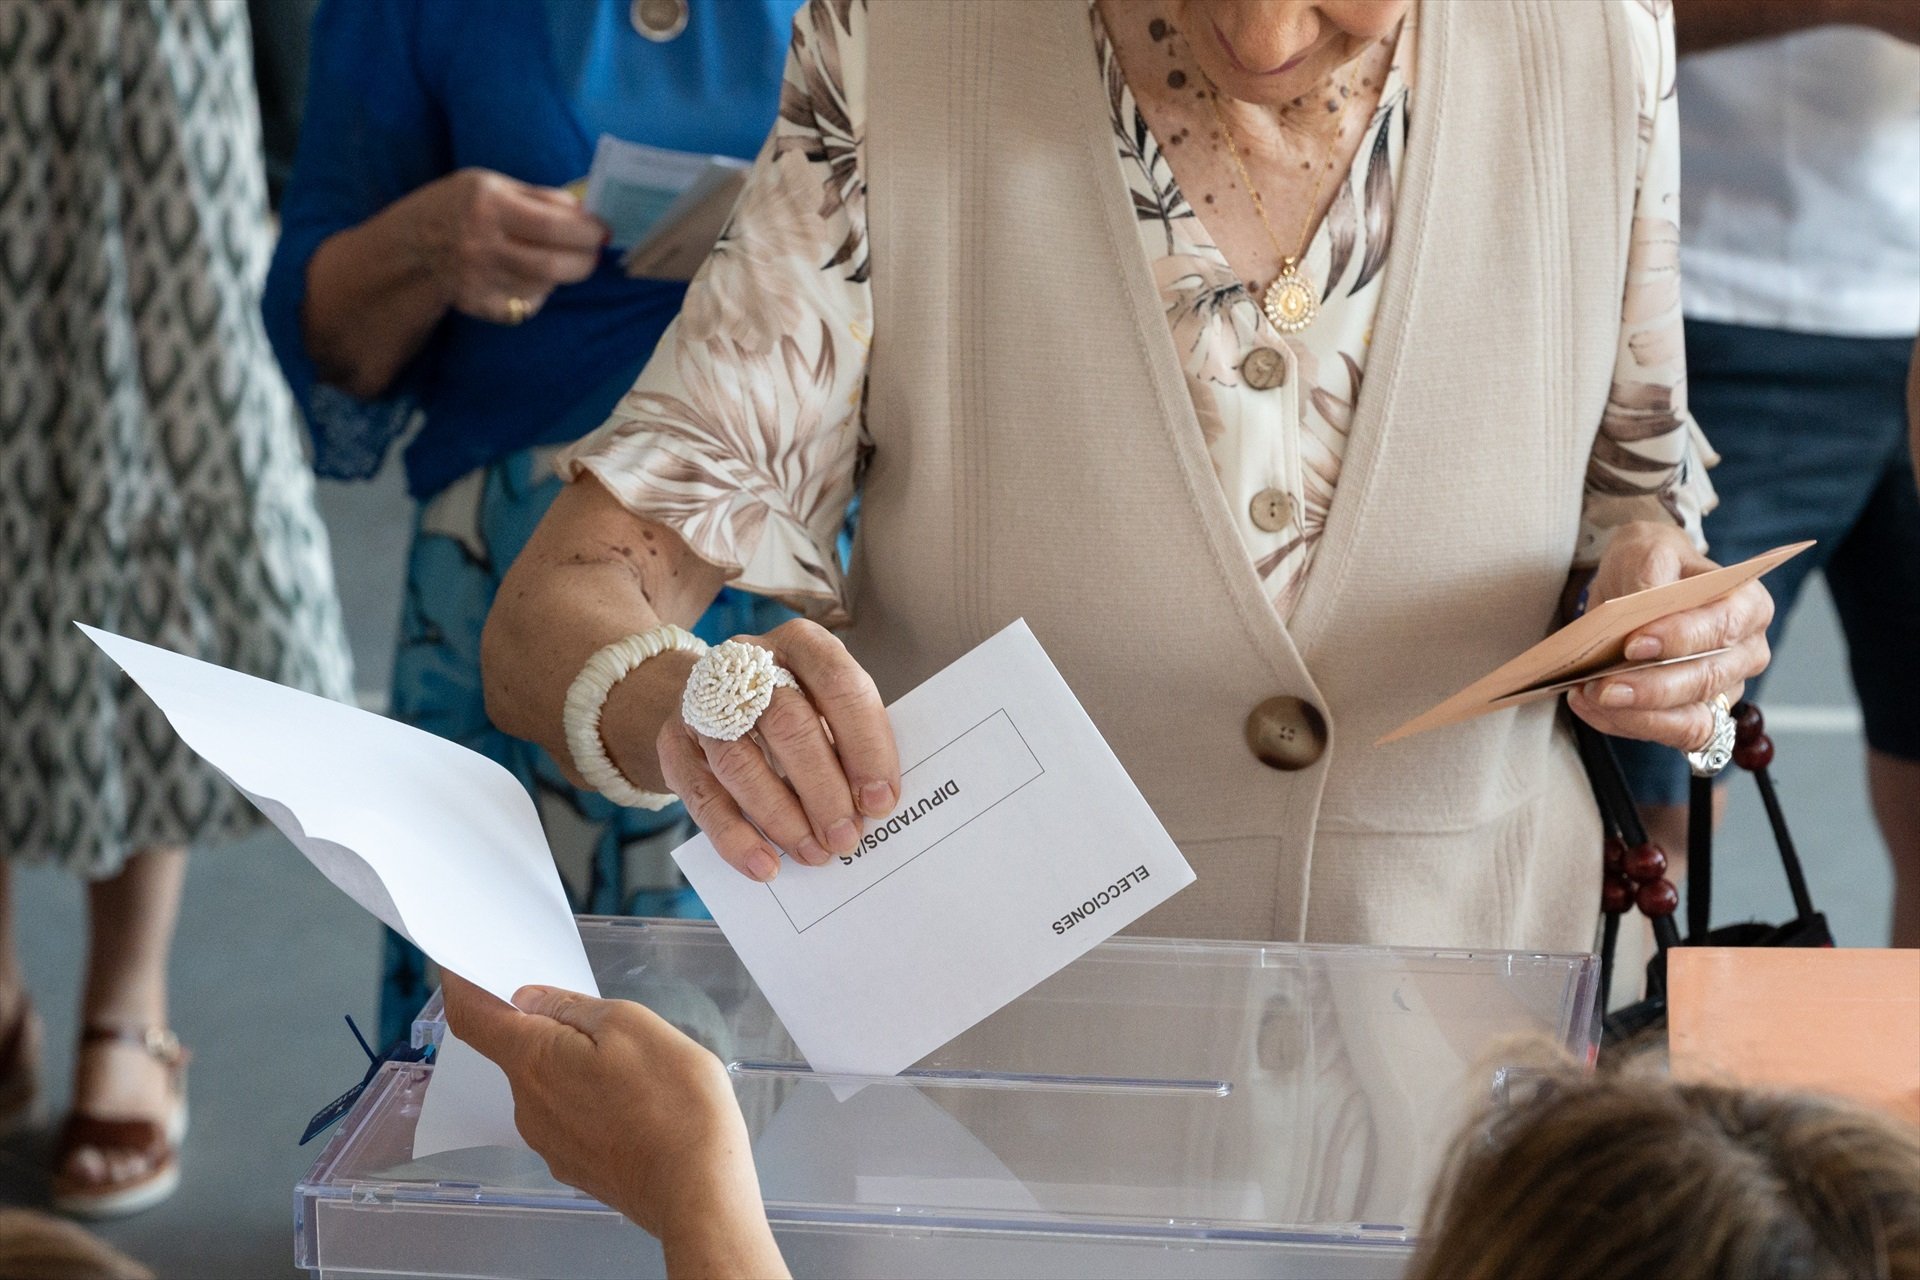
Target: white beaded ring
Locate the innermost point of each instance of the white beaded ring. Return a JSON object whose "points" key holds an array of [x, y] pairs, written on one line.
{"points": [[587, 696], [730, 688]]}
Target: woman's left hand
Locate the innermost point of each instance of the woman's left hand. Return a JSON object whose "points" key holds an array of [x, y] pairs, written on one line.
{"points": [[1672, 705], [622, 1105]]}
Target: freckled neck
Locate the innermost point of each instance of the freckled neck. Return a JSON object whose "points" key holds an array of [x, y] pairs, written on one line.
{"points": [[1311, 120]]}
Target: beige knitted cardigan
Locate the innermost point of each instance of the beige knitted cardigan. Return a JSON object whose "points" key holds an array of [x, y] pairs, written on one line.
{"points": [[1036, 455]]}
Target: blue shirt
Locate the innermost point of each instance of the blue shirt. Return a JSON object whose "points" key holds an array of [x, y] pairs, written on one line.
{"points": [[406, 91]]}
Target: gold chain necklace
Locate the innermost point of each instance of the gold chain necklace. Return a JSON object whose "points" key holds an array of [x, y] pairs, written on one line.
{"points": [[1289, 302]]}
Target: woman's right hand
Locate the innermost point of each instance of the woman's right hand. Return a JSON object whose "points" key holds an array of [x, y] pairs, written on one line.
{"points": [[496, 247], [828, 759], [621, 1104]]}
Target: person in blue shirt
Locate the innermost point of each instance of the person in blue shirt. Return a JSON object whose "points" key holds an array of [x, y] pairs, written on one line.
{"points": [[434, 276]]}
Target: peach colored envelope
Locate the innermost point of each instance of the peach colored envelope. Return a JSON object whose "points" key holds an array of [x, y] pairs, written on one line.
{"points": [[1592, 645], [1833, 1020]]}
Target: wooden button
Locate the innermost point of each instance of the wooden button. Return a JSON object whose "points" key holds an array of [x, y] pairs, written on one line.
{"points": [[1271, 510], [1264, 369], [1287, 734]]}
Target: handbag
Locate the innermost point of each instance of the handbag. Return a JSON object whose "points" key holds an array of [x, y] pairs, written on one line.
{"points": [[1636, 872]]}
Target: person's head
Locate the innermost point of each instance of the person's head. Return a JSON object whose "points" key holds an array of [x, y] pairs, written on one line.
{"points": [[1617, 1176], [1272, 51]]}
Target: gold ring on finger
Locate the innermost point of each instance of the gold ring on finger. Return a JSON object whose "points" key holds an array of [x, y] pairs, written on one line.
{"points": [[518, 310]]}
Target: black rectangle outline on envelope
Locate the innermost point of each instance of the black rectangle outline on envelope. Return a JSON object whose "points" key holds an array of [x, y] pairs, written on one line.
{"points": [[957, 830]]}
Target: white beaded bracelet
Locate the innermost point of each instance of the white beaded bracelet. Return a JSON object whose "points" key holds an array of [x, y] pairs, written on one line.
{"points": [[586, 697], [729, 689]]}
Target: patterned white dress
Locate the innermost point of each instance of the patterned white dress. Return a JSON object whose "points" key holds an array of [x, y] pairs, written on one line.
{"points": [[745, 432], [151, 475]]}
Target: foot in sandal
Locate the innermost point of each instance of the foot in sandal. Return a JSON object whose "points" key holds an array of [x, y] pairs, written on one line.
{"points": [[119, 1152], [20, 1036]]}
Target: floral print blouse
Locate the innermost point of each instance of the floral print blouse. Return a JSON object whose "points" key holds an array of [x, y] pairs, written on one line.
{"points": [[745, 432]]}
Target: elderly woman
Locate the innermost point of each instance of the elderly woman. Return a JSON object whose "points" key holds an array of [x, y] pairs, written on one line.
{"points": [[1286, 365], [434, 268]]}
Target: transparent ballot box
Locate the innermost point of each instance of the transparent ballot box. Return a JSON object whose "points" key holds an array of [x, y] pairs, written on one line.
{"points": [[1158, 1108]]}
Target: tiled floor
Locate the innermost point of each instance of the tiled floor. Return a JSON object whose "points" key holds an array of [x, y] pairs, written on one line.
{"points": [[270, 956]]}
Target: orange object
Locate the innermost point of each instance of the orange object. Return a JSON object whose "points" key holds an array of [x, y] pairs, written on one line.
{"points": [[1840, 1021]]}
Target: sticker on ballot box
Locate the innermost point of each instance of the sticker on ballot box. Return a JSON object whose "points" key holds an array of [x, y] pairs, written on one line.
{"points": [[940, 796], [1018, 843]]}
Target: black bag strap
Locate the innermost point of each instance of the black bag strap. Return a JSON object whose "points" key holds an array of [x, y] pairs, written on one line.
{"points": [[1699, 858], [1626, 833], [1628, 849], [1753, 751]]}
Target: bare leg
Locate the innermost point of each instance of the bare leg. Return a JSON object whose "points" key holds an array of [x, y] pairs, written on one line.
{"points": [[1895, 786], [12, 982], [130, 933]]}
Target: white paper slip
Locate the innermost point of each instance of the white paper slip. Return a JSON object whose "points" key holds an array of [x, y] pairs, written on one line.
{"points": [[665, 208], [1018, 844], [437, 841], [468, 1104]]}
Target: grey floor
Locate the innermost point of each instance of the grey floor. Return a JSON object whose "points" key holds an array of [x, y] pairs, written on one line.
{"points": [[270, 957]]}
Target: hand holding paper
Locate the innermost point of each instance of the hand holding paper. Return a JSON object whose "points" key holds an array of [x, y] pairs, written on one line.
{"points": [[1593, 646], [438, 842], [665, 208], [583, 1069], [1019, 842]]}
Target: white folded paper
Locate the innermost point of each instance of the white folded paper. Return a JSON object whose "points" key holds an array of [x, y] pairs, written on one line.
{"points": [[664, 208], [438, 842], [1019, 842]]}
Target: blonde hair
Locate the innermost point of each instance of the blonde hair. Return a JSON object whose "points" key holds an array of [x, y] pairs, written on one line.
{"points": [[1619, 1176], [34, 1246]]}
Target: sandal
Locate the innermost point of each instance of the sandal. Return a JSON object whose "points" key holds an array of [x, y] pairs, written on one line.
{"points": [[20, 1067], [155, 1142]]}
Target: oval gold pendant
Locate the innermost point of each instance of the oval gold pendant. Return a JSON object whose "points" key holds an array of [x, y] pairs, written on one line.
{"points": [[1290, 303], [658, 20]]}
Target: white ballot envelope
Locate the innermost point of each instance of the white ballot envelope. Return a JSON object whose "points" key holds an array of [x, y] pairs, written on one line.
{"points": [[437, 841], [1018, 843], [664, 208]]}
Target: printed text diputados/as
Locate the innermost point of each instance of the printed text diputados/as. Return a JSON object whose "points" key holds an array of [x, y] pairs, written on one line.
{"points": [[903, 819]]}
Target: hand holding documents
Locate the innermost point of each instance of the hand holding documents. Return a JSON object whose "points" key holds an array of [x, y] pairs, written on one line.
{"points": [[438, 842], [1591, 646], [1019, 842], [665, 208]]}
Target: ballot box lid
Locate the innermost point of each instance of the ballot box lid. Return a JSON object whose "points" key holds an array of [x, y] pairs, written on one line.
{"points": [[1192, 1093]]}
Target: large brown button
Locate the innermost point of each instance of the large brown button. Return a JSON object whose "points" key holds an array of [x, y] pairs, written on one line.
{"points": [[1286, 733], [1271, 510], [1264, 369]]}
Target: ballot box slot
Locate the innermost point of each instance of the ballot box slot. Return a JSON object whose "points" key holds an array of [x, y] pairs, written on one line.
{"points": [[935, 1221], [927, 1078]]}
